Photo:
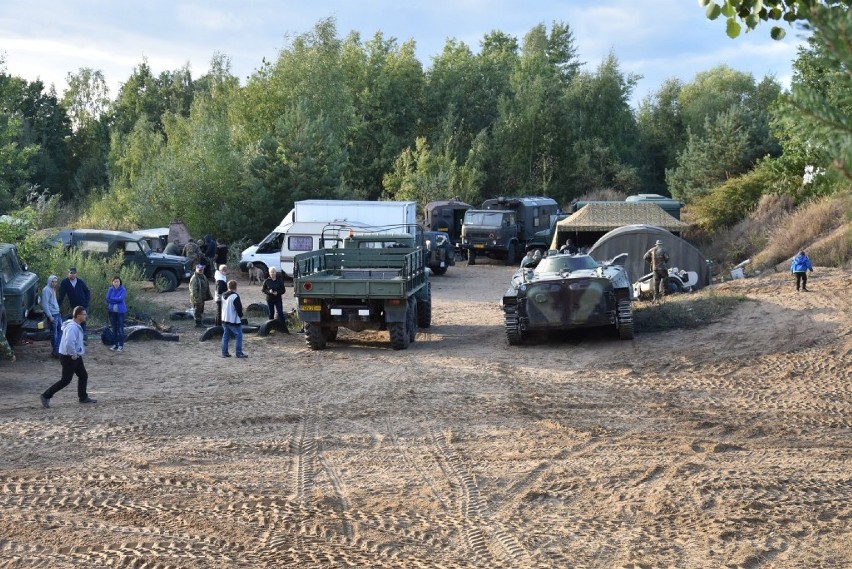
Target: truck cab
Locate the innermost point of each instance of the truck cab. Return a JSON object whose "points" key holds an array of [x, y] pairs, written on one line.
{"points": [[501, 228]]}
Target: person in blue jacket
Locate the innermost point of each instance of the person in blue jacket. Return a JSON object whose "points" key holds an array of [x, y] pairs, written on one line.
{"points": [[117, 309], [800, 267]]}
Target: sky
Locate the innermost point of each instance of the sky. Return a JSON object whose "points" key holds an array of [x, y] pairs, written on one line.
{"points": [[657, 39]]}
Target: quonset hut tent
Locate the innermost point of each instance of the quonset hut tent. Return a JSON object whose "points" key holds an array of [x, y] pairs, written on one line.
{"points": [[635, 240]]}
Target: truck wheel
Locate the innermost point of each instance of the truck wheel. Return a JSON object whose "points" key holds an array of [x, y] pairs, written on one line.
{"points": [[314, 337], [424, 309], [165, 281], [411, 320], [439, 270], [399, 334], [471, 258], [512, 255], [330, 333]]}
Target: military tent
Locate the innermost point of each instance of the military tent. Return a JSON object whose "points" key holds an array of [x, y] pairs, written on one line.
{"points": [[635, 240], [588, 224]]}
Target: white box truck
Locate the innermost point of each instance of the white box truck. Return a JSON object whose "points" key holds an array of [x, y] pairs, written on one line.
{"points": [[312, 224]]}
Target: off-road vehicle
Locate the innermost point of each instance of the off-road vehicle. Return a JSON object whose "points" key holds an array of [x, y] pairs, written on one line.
{"points": [[18, 289], [165, 271]]}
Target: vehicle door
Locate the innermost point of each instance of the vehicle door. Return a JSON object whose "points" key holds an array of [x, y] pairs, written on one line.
{"points": [[135, 255]]}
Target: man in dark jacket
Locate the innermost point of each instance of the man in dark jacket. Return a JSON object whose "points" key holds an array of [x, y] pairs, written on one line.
{"points": [[77, 291], [273, 288]]}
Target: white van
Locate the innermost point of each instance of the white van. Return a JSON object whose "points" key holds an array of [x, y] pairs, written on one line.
{"points": [[289, 239]]}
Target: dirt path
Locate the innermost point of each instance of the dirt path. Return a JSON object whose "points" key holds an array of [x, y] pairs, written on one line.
{"points": [[726, 446]]}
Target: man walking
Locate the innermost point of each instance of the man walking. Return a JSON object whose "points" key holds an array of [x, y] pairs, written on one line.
{"points": [[658, 258], [50, 305], [199, 293], [76, 290], [232, 320], [71, 350]]}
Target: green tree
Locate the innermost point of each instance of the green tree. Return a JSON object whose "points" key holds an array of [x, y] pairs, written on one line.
{"points": [[752, 13], [386, 83], [87, 101]]}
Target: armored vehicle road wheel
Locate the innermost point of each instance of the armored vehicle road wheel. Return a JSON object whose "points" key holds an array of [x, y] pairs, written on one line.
{"points": [[314, 336], [330, 333], [471, 258], [624, 320], [399, 335], [165, 281], [514, 334]]}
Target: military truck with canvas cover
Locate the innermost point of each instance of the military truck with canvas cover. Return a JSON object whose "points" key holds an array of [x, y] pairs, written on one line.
{"points": [[372, 282], [19, 292], [568, 292], [501, 228]]}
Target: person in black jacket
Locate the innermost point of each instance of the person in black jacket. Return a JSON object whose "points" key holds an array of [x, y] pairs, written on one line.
{"points": [[273, 288], [76, 290]]}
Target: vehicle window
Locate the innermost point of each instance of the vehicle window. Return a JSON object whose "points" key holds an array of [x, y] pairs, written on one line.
{"points": [[6, 268], [86, 246], [132, 248], [446, 212], [494, 219], [144, 246], [300, 243]]}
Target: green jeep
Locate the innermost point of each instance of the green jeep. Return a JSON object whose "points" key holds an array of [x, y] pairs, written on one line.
{"points": [[165, 271], [18, 289]]}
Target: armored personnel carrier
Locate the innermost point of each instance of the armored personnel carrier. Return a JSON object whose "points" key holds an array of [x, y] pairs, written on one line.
{"points": [[567, 292]]}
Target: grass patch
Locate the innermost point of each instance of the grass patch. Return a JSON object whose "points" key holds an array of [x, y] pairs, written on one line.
{"points": [[686, 311]]}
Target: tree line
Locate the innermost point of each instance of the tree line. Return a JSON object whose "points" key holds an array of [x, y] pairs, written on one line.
{"points": [[362, 119]]}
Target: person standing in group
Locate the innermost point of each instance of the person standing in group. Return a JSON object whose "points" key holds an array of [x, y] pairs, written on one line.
{"points": [[192, 252], [569, 248], [232, 320], [71, 351], [76, 290], [800, 267], [50, 306], [221, 252], [173, 248], [210, 249], [220, 288], [6, 351], [273, 288], [658, 258], [199, 293], [116, 297]]}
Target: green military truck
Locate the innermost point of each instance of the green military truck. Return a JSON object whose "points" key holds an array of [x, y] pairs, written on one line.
{"points": [[19, 292], [372, 282]]}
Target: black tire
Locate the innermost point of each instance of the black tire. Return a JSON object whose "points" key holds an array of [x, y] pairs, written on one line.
{"points": [[165, 281], [439, 270], [330, 333], [314, 336], [212, 332], [471, 258], [273, 325], [399, 334], [674, 287], [512, 255], [424, 309], [144, 334]]}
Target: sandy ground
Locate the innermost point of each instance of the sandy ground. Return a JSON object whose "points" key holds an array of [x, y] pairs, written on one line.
{"points": [[725, 446]]}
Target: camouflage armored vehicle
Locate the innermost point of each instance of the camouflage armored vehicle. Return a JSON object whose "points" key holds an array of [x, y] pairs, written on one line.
{"points": [[567, 292], [18, 289], [375, 281]]}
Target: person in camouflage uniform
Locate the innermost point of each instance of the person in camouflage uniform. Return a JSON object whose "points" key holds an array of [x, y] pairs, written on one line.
{"points": [[6, 352], [199, 293], [658, 258], [192, 252]]}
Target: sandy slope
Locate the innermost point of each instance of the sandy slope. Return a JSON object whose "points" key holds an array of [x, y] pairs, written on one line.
{"points": [[726, 446]]}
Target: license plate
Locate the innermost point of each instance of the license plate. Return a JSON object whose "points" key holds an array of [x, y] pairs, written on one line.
{"points": [[311, 308], [479, 246]]}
